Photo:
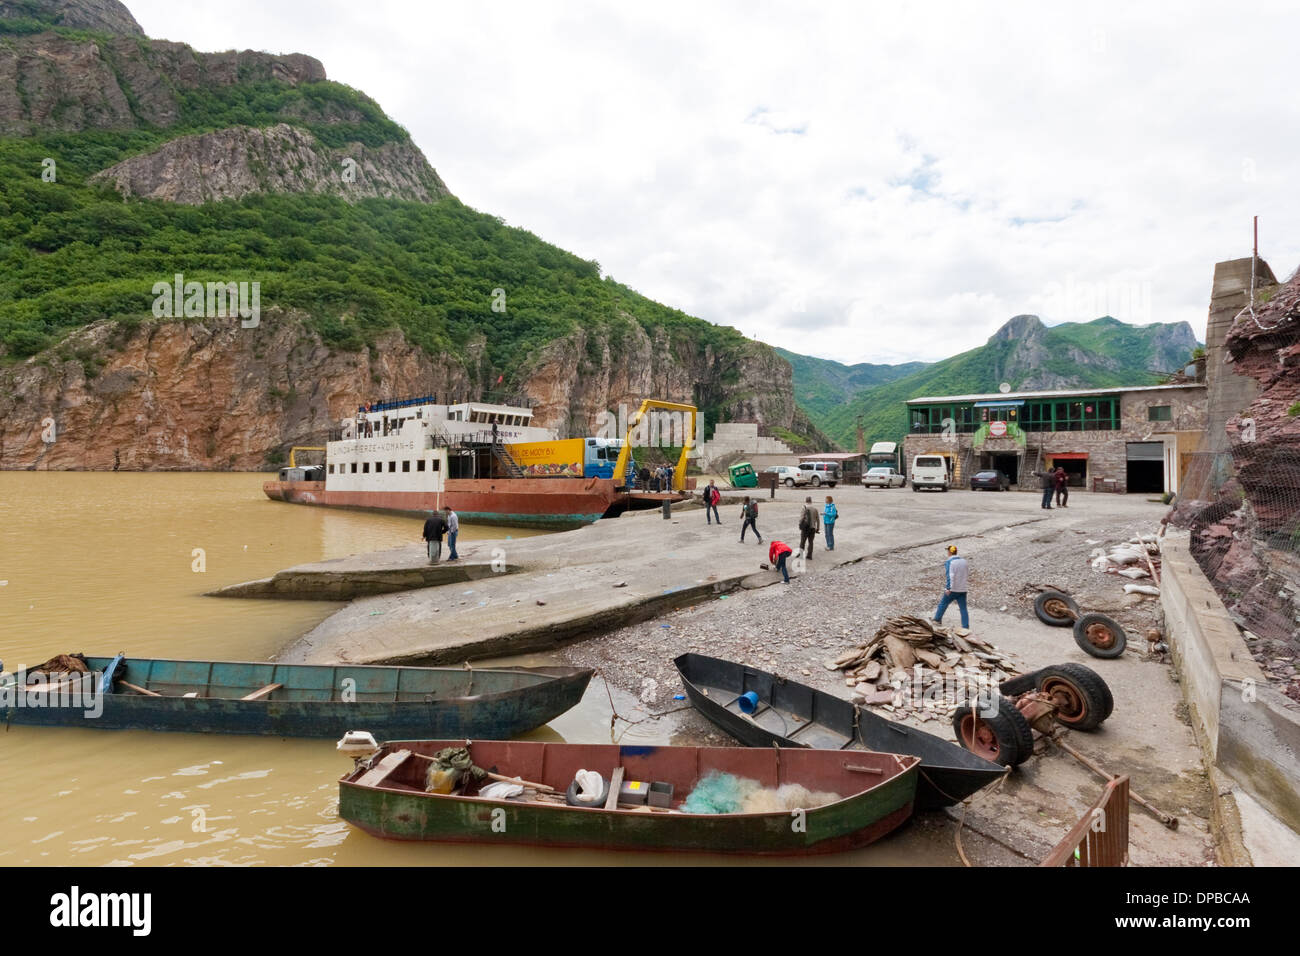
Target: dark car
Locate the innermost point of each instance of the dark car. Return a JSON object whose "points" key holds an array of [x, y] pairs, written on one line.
{"points": [[990, 481]]}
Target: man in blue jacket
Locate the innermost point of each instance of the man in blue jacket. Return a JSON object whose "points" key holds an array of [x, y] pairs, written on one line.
{"points": [[956, 578]]}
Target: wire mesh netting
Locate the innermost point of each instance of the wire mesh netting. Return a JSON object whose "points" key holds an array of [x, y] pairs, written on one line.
{"points": [[1241, 499]]}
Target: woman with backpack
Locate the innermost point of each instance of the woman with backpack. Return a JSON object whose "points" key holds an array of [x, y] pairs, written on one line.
{"points": [[749, 513]]}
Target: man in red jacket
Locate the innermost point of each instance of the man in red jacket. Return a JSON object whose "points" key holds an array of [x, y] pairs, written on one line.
{"points": [[776, 556]]}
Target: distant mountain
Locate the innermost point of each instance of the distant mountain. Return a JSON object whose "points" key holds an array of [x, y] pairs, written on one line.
{"points": [[822, 386], [1024, 353]]}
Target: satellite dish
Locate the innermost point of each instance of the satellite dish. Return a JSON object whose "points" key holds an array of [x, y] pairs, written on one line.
{"points": [[1004, 388]]}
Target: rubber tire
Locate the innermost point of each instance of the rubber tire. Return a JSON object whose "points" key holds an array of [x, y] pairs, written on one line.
{"points": [[1088, 686], [571, 796], [789, 482], [1081, 636], [914, 488], [1014, 736], [1040, 610], [816, 481]]}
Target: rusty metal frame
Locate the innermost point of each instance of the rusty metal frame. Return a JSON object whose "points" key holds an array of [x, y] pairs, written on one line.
{"points": [[1088, 844]]}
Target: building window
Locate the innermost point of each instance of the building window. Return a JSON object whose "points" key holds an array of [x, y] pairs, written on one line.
{"points": [[354, 468], [331, 469], [419, 465], [392, 466], [365, 467], [1160, 413], [406, 466]]}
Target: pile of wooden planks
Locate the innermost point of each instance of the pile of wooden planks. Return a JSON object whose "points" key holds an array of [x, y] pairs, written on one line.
{"points": [[908, 651]]}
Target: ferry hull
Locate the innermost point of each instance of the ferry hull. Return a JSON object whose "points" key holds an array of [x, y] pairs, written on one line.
{"points": [[526, 502]]}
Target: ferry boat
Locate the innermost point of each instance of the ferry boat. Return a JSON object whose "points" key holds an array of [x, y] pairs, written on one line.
{"points": [[417, 456]]}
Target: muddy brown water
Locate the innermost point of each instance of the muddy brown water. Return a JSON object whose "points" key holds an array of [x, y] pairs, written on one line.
{"points": [[100, 563]]}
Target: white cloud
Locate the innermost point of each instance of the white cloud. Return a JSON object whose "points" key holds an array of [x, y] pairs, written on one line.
{"points": [[913, 176]]}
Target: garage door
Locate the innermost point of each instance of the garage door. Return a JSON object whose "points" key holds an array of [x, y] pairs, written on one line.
{"points": [[1146, 451]]}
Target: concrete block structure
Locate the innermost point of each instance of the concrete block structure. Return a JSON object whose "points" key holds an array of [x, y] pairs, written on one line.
{"points": [[1138, 439], [731, 438]]}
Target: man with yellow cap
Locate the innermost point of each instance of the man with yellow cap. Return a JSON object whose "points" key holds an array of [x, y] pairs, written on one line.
{"points": [[956, 577]]}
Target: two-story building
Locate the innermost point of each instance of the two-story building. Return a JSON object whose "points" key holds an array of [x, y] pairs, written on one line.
{"points": [[1107, 439]]}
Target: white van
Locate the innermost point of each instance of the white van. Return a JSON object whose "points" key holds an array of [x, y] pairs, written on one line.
{"points": [[929, 471]]}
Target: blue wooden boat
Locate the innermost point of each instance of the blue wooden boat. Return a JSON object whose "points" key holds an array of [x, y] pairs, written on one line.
{"points": [[293, 700]]}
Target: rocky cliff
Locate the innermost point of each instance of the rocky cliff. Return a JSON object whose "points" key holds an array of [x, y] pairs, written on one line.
{"points": [[198, 395], [230, 163], [212, 395], [102, 16], [576, 378], [54, 82]]}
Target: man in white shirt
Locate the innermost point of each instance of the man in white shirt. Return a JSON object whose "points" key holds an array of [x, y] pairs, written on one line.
{"points": [[453, 529]]}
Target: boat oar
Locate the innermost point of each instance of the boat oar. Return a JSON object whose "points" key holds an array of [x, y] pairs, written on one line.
{"points": [[504, 779]]}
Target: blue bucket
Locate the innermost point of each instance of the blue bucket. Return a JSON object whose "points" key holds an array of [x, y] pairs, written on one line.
{"points": [[748, 702]]}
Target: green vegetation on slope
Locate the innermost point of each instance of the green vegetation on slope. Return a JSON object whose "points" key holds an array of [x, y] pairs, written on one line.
{"points": [[821, 385], [72, 254]]}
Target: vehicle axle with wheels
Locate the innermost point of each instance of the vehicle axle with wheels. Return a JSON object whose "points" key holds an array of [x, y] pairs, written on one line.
{"points": [[1097, 634], [1000, 726]]}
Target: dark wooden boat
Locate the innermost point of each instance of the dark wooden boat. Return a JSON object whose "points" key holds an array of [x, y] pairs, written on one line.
{"points": [[387, 798], [296, 700], [795, 715]]}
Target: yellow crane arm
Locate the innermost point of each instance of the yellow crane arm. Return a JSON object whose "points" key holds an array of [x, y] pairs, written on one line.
{"points": [[297, 448], [688, 440]]}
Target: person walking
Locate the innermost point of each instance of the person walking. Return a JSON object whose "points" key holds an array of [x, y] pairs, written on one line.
{"points": [[434, 528], [956, 574], [1048, 480], [453, 529], [777, 553], [711, 498], [810, 523], [749, 513], [1062, 486], [829, 516]]}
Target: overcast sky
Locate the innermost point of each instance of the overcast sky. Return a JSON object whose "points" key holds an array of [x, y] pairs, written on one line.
{"points": [[870, 183]]}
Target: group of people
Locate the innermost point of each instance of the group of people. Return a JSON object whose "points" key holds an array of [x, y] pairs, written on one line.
{"points": [[657, 479], [440, 523], [811, 523], [1054, 480]]}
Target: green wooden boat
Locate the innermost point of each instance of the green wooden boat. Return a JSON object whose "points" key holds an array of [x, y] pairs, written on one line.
{"points": [[293, 700], [386, 797]]}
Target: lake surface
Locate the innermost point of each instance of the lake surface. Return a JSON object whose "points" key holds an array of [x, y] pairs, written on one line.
{"points": [[99, 563]]}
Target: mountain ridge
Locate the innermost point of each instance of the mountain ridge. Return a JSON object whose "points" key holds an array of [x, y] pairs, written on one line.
{"points": [[1023, 352]]}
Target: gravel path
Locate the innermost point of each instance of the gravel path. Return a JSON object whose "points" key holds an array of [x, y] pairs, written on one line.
{"points": [[793, 629]]}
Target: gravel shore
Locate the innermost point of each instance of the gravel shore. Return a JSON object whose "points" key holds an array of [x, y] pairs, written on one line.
{"points": [[792, 629]]}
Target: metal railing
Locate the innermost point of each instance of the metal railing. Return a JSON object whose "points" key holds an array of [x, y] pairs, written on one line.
{"points": [[1100, 838]]}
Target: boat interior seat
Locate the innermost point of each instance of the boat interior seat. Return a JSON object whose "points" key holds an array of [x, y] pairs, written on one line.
{"points": [[819, 736], [389, 765]]}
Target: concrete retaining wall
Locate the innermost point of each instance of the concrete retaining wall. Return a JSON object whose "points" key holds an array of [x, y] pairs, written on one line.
{"points": [[1252, 732]]}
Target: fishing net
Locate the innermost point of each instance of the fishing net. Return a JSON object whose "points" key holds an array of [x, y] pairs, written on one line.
{"points": [[726, 793]]}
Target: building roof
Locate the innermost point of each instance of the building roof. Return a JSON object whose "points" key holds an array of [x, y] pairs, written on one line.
{"points": [[833, 456], [1059, 393]]}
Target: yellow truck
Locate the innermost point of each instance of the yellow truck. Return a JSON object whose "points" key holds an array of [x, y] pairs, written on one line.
{"points": [[549, 459]]}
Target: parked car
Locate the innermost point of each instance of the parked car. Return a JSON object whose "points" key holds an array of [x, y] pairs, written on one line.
{"points": [[929, 471], [787, 475], [820, 473], [990, 481], [883, 478]]}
